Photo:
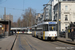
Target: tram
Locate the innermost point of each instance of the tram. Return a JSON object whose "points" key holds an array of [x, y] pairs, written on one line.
{"points": [[34, 30], [29, 30], [24, 30], [47, 30], [21, 30]]}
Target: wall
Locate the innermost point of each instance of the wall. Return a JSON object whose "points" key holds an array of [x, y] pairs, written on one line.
{"points": [[67, 8]]}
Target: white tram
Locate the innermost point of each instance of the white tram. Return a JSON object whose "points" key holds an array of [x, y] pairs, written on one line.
{"points": [[34, 30], [47, 30], [21, 30], [29, 30]]}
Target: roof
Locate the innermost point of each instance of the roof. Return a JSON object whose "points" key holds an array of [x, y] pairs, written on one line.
{"points": [[51, 22], [17, 28]]}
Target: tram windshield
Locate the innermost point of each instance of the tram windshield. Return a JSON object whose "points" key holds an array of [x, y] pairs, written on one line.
{"points": [[52, 27]]}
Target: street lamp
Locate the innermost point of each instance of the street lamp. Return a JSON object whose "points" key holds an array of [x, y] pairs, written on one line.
{"points": [[47, 4], [58, 18]]}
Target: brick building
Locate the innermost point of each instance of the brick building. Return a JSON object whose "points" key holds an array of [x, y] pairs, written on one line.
{"points": [[5, 27]]}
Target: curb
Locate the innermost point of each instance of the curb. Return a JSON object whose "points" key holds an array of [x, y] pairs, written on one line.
{"points": [[66, 42], [13, 43]]}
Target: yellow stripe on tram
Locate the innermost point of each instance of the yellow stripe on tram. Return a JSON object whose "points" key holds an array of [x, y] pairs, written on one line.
{"points": [[35, 33], [43, 35], [18, 32]]}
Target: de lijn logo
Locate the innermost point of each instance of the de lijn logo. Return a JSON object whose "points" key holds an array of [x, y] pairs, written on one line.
{"points": [[52, 22]]}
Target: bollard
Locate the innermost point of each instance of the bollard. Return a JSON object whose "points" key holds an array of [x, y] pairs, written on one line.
{"points": [[66, 34]]}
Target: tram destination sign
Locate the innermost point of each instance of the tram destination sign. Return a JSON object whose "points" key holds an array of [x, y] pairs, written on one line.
{"points": [[52, 23]]}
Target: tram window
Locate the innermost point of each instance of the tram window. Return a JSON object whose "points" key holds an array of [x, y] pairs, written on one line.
{"points": [[33, 29], [52, 27], [45, 27], [39, 29]]}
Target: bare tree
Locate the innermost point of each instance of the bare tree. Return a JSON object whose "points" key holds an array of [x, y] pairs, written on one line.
{"points": [[29, 17], [19, 22], [13, 24]]}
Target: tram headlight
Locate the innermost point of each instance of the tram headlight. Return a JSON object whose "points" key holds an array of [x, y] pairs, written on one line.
{"points": [[55, 34]]}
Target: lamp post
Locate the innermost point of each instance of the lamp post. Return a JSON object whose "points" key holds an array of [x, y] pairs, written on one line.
{"points": [[58, 18]]}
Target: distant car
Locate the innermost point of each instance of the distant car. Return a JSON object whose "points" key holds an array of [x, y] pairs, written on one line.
{"points": [[63, 34]]}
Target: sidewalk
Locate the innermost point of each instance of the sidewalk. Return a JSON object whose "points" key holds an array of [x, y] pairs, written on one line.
{"points": [[66, 40], [7, 42]]}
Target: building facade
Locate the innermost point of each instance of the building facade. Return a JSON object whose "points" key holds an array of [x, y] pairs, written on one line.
{"points": [[8, 17], [39, 18], [54, 2], [66, 14], [47, 11], [5, 28]]}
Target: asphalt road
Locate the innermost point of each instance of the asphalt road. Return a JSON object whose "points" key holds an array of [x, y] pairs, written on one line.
{"points": [[27, 42]]}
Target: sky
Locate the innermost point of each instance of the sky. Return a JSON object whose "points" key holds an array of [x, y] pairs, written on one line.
{"points": [[15, 7]]}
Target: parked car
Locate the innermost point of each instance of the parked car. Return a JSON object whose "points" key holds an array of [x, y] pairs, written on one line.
{"points": [[63, 34]]}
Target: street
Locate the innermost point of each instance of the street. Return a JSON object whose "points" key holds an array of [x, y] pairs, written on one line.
{"points": [[27, 42]]}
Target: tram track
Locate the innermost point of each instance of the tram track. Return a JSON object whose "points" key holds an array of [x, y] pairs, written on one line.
{"points": [[27, 42], [32, 48], [20, 46]]}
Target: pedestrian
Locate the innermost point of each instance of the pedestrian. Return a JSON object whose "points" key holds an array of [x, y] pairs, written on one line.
{"points": [[72, 34]]}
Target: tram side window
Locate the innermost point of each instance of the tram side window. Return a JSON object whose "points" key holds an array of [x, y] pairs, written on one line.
{"points": [[33, 29], [45, 27], [39, 28]]}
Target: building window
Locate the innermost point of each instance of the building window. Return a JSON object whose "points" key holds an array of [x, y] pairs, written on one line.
{"points": [[66, 26], [46, 15], [62, 30], [74, 15], [66, 18], [66, 7], [46, 8]]}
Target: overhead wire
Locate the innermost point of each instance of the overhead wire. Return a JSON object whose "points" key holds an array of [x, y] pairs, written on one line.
{"points": [[12, 8]]}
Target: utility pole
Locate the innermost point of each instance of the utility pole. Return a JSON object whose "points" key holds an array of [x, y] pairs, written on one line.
{"points": [[58, 18], [4, 10], [4, 13]]}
